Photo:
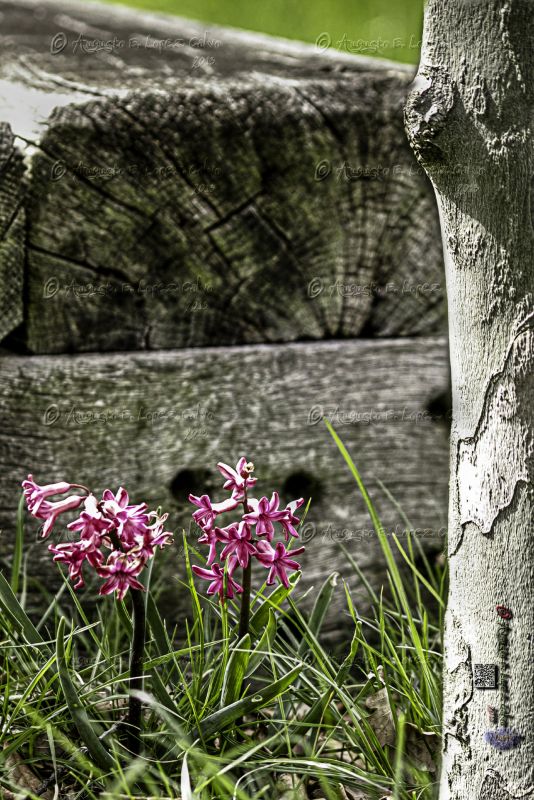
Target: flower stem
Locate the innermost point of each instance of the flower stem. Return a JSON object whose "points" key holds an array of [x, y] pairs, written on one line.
{"points": [[245, 601], [133, 741], [81, 486], [247, 583]]}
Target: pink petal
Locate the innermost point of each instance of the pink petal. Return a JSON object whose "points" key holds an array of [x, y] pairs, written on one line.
{"points": [[227, 472], [206, 574]]}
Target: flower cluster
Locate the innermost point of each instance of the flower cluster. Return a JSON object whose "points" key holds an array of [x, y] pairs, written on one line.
{"points": [[130, 532], [250, 537]]}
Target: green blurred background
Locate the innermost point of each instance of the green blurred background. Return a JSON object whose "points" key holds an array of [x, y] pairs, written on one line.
{"points": [[380, 28]]}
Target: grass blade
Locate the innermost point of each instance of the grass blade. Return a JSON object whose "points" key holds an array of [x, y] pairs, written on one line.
{"points": [[260, 617], [220, 720], [418, 574], [19, 547], [429, 679], [185, 782], [96, 749], [235, 672], [320, 607], [264, 645], [17, 614]]}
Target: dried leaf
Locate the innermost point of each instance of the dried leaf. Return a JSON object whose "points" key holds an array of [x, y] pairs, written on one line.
{"points": [[22, 776], [344, 793], [421, 748], [301, 710], [290, 788], [381, 720], [351, 794]]}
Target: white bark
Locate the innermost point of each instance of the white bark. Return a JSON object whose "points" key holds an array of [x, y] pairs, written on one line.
{"points": [[469, 119]]}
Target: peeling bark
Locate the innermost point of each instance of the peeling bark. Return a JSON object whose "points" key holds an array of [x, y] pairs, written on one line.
{"points": [[469, 120]]}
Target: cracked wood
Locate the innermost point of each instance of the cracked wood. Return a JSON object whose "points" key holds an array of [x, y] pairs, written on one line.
{"points": [[273, 177]]}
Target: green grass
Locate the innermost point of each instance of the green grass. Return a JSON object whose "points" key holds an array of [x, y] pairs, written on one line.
{"points": [[365, 27], [278, 714]]}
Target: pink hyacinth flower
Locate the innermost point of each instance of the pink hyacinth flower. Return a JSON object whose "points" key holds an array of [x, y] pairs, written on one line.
{"points": [[114, 506], [41, 508], [51, 511], [290, 520], [74, 554], [216, 576], [121, 571], [136, 523], [231, 564], [207, 511], [264, 513], [35, 494], [91, 521], [211, 538], [152, 537], [115, 503], [131, 521], [278, 561], [236, 479], [237, 538]]}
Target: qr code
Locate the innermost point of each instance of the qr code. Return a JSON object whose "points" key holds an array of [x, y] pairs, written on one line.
{"points": [[485, 676]]}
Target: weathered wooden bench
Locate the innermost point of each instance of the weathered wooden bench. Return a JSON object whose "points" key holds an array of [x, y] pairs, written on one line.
{"points": [[208, 240]]}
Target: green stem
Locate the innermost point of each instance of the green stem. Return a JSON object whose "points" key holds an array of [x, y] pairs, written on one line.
{"points": [[133, 741], [244, 616], [245, 601]]}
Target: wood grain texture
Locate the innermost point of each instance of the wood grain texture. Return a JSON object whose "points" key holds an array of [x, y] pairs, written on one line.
{"points": [[159, 422], [220, 188], [12, 232]]}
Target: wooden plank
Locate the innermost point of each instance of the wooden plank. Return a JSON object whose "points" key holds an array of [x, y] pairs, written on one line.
{"points": [[159, 422], [230, 188], [12, 232]]}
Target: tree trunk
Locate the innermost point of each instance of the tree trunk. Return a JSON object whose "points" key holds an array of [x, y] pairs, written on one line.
{"points": [[469, 120]]}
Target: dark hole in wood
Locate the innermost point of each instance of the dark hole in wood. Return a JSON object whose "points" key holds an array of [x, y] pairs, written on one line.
{"points": [[440, 408], [302, 484], [189, 481], [15, 342]]}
